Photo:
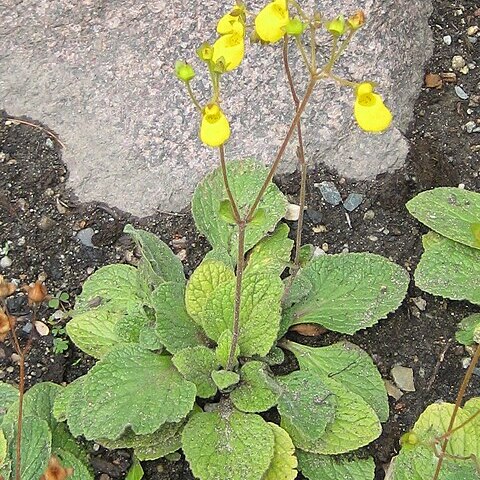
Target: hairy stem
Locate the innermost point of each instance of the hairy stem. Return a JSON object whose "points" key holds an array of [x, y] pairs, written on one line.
{"points": [[223, 163], [460, 395]]}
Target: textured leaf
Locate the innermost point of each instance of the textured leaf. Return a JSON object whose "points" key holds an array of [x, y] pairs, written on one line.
{"points": [[257, 391], [225, 379], [306, 406], [224, 345], [80, 469], [326, 467], [107, 401], [63, 440], [3, 448], [469, 330], [245, 179], [167, 439], [136, 471], [349, 365], [175, 328], [347, 292], [64, 397], [228, 445], [196, 364], [284, 462], [259, 316], [272, 253], [8, 395], [202, 284], [449, 269], [450, 212], [163, 264]]}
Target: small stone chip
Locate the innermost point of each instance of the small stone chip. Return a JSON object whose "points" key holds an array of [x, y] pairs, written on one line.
{"points": [[353, 201], [330, 193], [403, 377], [461, 93]]}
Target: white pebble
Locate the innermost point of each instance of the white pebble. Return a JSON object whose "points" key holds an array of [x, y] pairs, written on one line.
{"points": [[458, 62], [447, 39], [6, 262], [293, 212]]}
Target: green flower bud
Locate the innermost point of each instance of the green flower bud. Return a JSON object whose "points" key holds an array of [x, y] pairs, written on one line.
{"points": [[295, 27], [337, 26], [184, 71], [205, 52]]}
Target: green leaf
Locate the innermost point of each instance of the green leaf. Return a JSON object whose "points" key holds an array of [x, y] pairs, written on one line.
{"points": [[8, 395], [205, 280], [272, 253], [347, 292], [107, 400], [3, 448], [224, 345], [228, 445], [175, 328], [284, 462], [226, 212], [449, 269], [306, 406], [275, 356], [306, 254], [64, 297], [163, 264], [259, 316], [326, 467], [136, 471], [64, 397], [225, 379], [257, 391], [245, 179], [196, 364], [80, 469], [349, 365], [451, 212], [469, 330], [167, 439]]}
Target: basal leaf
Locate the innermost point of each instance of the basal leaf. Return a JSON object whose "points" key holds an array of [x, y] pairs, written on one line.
{"points": [[327, 467], [175, 328], [257, 391], [469, 330], [449, 211], [349, 365], [224, 345], [81, 471], [107, 400], [228, 445], [8, 395], [347, 292], [306, 406], [136, 471], [449, 269], [163, 264], [284, 463], [245, 179], [196, 364], [259, 317], [225, 379], [272, 253], [208, 277]]}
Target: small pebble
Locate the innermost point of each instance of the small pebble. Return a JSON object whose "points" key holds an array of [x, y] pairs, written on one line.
{"points": [[41, 328], [447, 39], [403, 377], [10, 369], [472, 40], [15, 357], [6, 262], [318, 252], [314, 215], [369, 215], [392, 390], [470, 126], [458, 62], [293, 212], [420, 303], [85, 236], [465, 70], [49, 143], [325, 247], [353, 201], [27, 328], [330, 193], [319, 229], [45, 223], [373, 238], [473, 30], [461, 93]]}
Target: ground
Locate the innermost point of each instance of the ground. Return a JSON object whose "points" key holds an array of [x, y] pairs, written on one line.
{"points": [[40, 219]]}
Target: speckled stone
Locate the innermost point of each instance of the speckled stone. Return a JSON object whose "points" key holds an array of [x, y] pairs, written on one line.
{"points": [[99, 73]]}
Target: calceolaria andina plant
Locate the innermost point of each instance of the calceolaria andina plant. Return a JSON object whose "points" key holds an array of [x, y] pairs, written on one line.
{"points": [[188, 364]]}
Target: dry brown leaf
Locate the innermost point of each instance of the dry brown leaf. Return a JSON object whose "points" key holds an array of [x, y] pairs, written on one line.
{"points": [[433, 80], [449, 77], [56, 471], [308, 329]]}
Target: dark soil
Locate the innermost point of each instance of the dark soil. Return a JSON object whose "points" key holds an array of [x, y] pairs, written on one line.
{"points": [[39, 218]]}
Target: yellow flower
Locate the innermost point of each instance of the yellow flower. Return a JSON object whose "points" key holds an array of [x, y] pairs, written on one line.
{"points": [[370, 112], [337, 26], [271, 21], [214, 129], [230, 47]]}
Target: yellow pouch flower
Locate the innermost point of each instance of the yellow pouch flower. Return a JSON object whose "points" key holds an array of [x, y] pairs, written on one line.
{"points": [[214, 129], [370, 112], [271, 21], [231, 47]]}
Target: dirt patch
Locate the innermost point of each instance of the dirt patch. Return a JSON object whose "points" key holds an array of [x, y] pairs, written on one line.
{"points": [[40, 221]]}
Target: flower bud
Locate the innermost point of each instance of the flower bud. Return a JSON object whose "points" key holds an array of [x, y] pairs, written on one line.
{"points": [[356, 20], [205, 52], [36, 292], [184, 71], [6, 288], [337, 26], [295, 27]]}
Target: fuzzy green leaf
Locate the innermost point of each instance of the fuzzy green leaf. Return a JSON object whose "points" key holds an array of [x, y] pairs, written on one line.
{"points": [[205, 280], [196, 364], [284, 462], [259, 316], [245, 179], [136, 471], [3, 448], [449, 269], [326, 467], [224, 345], [228, 445], [225, 379], [163, 264], [272, 253], [175, 328], [257, 391], [305, 397], [8, 395], [349, 365], [451, 212], [106, 401], [80, 469], [469, 330], [347, 292]]}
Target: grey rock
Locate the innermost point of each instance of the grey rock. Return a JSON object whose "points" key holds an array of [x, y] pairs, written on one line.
{"points": [[99, 73], [330, 193], [353, 201], [461, 93], [5, 262], [85, 236], [403, 377]]}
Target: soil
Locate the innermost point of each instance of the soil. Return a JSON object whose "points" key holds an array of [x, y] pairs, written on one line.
{"points": [[39, 218]]}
